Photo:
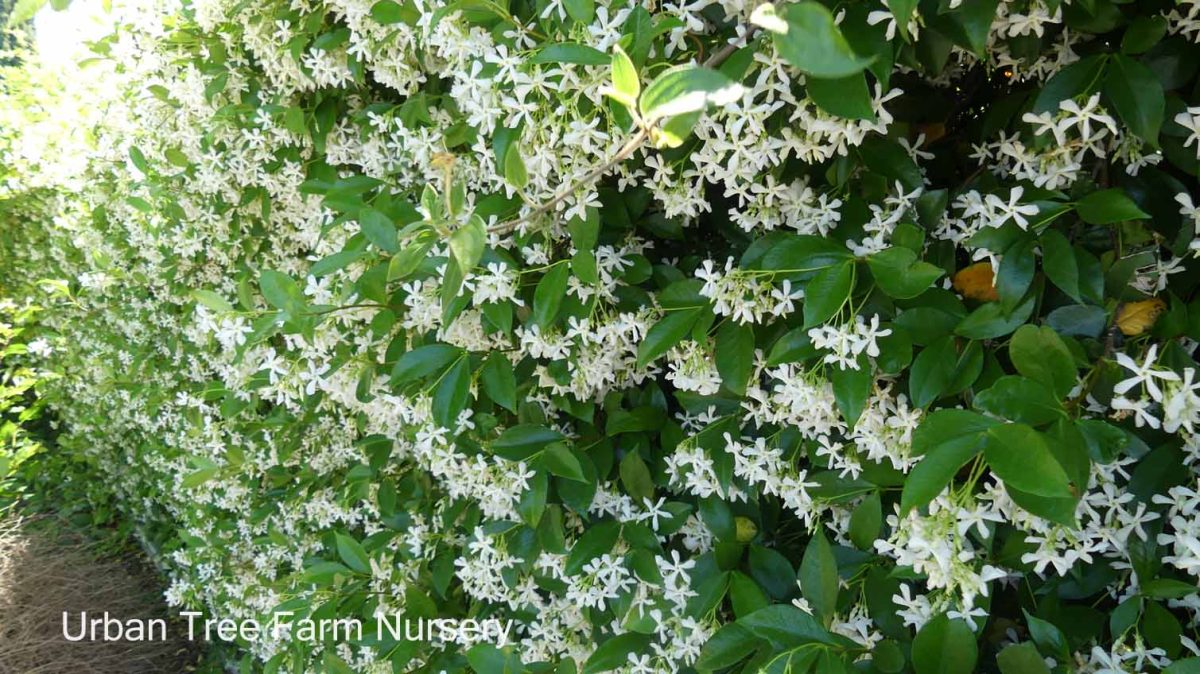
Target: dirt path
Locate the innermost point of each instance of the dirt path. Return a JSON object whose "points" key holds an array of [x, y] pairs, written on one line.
{"points": [[44, 573]]}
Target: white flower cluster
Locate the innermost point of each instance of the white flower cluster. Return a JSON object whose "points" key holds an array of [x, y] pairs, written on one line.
{"points": [[270, 137]]}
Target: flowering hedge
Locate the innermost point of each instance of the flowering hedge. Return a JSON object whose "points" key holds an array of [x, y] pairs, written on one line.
{"points": [[699, 335]]}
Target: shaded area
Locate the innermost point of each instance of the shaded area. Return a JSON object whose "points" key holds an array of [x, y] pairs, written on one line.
{"points": [[45, 571]]}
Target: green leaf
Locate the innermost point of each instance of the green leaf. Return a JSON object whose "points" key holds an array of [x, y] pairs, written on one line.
{"points": [[1184, 666], [198, 477], [387, 12], [1077, 79], [944, 646], [379, 229], [1161, 629], [844, 96], [1078, 320], [1048, 637], [487, 659], [866, 521], [887, 657], [626, 85], [1143, 33], [1125, 615], [559, 460], [687, 88], [212, 300], [1020, 399], [946, 440], [851, 388], [786, 626], [800, 252], [23, 10], [595, 541], [334, 664], [827, 292], [353, 554], [281, 291], [819, 576], [1167, 588], [498, 381], [969, 24], [644, 418], [1137, 96], [1041, 355], [807, 36], [1015, 273], [571, 52], [409, 259], [1019, 455], [933, 371], [522, 441], [771, 570], [635, 477], [452, 393], [515, 173], [745, 593], [614, 653], [731, 644], [1105, 207], [990, 321], [422, 362], [900, 274], [795, 345], [586, 230], [1060, 264], [582, 11], [666, 333], [548, 297], [735, 355], [466, 244], [1021, 659], [532, 505]]}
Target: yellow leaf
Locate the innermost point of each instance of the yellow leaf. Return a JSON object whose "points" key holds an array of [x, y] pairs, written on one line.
{"points": [[1134, 318], [977, 282]]}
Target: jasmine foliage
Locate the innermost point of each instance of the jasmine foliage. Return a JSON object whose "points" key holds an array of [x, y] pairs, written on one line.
{"points": [[690, 336]]}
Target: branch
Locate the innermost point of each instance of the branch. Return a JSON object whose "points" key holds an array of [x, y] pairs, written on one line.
{"points": [[624, 153]]}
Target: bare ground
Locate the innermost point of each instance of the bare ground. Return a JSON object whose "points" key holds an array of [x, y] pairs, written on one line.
{"points": [[45, 571]]}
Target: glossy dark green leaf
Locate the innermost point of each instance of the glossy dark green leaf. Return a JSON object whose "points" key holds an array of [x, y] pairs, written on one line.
{"points": [[900, 274], [1020, 399], [452, 393], [1021, 658], [944, 646], [865, 522], [1136, 95], [813, 42], [735, 355], [499, 382], [666, 333], [819, 576], [595, 541], [1020, 456], [520, 442], [946, 440], [827, 292], [1108, 206], [548, 297], [844, 97], [1040, 354]]}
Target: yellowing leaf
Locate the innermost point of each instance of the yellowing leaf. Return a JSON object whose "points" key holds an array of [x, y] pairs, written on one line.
{"points": [[977, 282], [1133, 318]]}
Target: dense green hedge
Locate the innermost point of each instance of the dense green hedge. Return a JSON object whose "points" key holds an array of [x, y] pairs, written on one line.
{"points": [[688, 336]]}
